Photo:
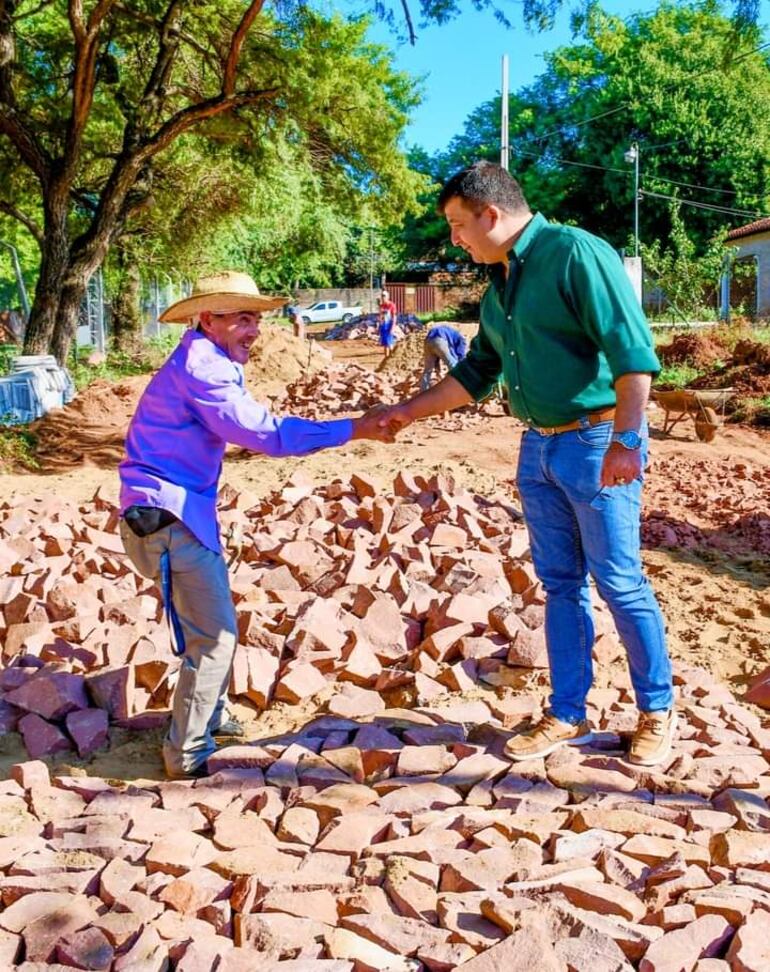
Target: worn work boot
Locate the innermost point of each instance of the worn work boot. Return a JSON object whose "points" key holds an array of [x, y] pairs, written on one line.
{"points": [[545, 736], [196, 773], [651, 742], [232, 727]]}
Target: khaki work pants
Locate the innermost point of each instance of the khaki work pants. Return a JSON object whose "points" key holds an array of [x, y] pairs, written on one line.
{"points": [[201, 596]]}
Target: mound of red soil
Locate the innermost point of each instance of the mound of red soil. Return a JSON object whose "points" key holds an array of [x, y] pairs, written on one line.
{"points": [[91, 428], [701, 350], [747, 371]]}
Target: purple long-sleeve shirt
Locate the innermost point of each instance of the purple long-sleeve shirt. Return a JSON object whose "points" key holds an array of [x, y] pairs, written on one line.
{"points": [[192, 408]]}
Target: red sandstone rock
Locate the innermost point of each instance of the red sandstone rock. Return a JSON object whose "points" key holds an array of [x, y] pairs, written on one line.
{"points": [[758, 691], [42, 738], [89, 729], [704, 938], [300, 682], [51, 696]]}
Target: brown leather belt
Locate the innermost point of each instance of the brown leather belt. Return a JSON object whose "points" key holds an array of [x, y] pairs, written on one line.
{"points": [[594, 418]]}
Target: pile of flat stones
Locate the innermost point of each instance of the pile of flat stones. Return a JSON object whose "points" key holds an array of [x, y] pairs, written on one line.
{"points": [[387, 830]]}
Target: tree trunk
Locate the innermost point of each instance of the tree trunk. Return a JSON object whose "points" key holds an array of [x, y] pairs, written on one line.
{"points": [[48, 292], [126, 311], [66, 323]]}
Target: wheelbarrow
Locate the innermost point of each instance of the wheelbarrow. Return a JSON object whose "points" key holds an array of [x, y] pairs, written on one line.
{"points": [[705, 407]]}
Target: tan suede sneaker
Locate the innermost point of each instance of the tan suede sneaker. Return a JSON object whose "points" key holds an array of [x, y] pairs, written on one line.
{"points": [[545, 736], [651, 743]]}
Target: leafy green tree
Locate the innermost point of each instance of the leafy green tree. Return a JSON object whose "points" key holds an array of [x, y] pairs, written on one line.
{"points": [[536, 14], [281, 209], [108, 110], [689, 280], [681, 82]]}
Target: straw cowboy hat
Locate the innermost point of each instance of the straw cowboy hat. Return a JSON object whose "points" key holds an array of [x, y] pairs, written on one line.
{"points": [[222, 293]]}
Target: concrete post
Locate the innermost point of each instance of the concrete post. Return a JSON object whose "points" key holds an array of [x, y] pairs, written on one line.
{"points": [[633, 267]]}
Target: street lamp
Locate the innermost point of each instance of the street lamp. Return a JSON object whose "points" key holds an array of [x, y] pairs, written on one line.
{"points": [[632, 155]]}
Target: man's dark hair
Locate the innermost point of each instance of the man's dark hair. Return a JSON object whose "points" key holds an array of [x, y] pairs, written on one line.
{"points": [[484, 184]]}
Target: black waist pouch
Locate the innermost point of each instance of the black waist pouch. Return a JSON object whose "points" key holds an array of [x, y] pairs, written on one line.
{"points": [[145, 520]]}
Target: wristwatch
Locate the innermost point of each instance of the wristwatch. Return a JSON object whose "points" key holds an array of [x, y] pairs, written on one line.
{"points": [[629, 440]]}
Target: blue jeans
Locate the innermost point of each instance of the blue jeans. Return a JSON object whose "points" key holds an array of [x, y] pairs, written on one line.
{"points": [[205, 607], [577, 528]]}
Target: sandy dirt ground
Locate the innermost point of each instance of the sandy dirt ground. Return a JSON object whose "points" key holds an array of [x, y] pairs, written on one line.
{"points": [[707, 512]]}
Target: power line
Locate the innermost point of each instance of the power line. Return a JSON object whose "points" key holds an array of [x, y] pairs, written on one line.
{"points": [[627, 104], [655, 195], [690, 185], [626, 172], [651, 148], [701, 205], [582, 165], [587, 121]]}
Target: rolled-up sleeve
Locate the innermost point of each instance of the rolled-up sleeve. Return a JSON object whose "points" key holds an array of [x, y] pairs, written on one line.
{"points": [[229, 411], [605, 303], [480, 370]]}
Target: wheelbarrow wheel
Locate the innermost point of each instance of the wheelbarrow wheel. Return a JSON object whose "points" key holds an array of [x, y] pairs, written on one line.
{"points": [[706, 424]]}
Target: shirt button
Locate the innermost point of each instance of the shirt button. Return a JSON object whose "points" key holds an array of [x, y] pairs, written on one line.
{"points": [[513, 354], [515, 387]]}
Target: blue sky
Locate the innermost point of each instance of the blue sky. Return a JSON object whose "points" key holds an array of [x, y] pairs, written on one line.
{"points": [[461, 63]]}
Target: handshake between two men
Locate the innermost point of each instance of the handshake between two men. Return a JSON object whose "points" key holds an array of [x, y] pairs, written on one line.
{"points": [[620, 465], [384, 422]]}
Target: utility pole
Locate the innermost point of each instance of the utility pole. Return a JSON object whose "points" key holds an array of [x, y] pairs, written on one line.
{"points": [[632, 155], [504, 148], [101, 339], [371, 269], [156, 304], [19, 279]]}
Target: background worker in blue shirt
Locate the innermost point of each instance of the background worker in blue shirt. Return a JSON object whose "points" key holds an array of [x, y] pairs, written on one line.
{"points": [[443, 344]]}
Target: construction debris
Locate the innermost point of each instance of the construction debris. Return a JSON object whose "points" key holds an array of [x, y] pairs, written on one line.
{"points": [[348, 389], [367, 326], [278, 357], [389, 831]]}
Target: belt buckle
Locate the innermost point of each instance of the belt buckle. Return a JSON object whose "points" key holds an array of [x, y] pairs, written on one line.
{"points": [[551, 430]]}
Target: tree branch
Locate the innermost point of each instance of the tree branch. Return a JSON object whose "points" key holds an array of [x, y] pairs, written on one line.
{"points": [[7, 52], [168, 45], [409, 24], [26, 144], [236, 44], [89, 249], [84, 81], [193, 114], [143, 18], [12, 126], [10, 210], [75, 15], [98, 14]]}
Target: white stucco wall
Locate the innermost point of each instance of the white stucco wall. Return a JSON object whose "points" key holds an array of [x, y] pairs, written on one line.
{"points": [[757, 245]]}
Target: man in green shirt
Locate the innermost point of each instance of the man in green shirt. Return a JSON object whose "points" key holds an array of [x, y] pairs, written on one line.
{"points": [[561, 325]]}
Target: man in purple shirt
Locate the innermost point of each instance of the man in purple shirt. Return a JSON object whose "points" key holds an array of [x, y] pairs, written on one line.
{"points": [[196, 404]]}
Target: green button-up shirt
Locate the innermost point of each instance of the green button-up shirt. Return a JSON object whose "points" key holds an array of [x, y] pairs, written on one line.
{"points": [[560, 329]]}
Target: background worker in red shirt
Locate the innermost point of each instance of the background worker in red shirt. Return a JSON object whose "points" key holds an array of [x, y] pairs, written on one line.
{"points": [[387, 322]]}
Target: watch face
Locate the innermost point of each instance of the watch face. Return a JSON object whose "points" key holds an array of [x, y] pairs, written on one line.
{"points": [[631, 440]]}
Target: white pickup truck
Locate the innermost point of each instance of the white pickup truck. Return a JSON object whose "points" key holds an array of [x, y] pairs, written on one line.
{"points": [[328, 310]]}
